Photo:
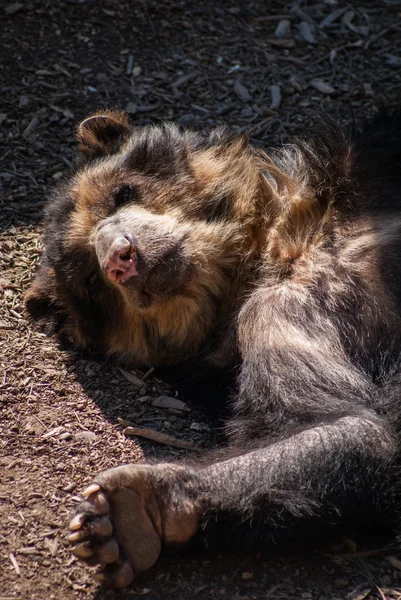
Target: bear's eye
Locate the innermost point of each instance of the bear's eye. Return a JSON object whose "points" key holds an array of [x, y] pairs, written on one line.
{"points": [[92, 280], [124, 195]]}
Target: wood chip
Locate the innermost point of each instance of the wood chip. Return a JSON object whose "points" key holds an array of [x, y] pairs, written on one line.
{"points": [[168, 402], [283, 29], [392, 60], [283, 43], [347, 20], [322, 86], [28, 550], [276, 97], [61, 69], [53, 432], [242, 91], [160, 438], [184, 79], [15, 564], [51, 545], [130, 64], [306, 31], [134, 379], [333, 16], [31, 127]]}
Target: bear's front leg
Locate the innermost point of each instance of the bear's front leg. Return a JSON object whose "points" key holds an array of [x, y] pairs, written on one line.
{"points": [[128, 514], [341, 469]]}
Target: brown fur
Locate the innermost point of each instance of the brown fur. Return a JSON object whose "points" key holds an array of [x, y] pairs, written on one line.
{"points": [[168, 246], [245, 218]]}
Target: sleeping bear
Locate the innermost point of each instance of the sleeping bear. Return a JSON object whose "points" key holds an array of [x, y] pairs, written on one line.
{"points": [[173, 247]]}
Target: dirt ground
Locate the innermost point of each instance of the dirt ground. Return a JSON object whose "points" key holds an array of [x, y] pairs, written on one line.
{"points": [[265, 67]]}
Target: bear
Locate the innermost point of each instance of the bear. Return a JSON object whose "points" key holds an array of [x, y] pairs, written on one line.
{"points": [[169, 247]]}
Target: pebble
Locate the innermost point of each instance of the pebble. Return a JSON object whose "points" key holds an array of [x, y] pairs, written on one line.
{"points": [[87, 436]]}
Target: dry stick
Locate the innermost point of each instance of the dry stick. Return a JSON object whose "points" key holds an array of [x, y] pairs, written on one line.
{"points": [[15, 564], [161, 438]]}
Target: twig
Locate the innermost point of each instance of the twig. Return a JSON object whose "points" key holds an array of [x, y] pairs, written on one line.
{"points": [[15, 563], [161, 438], [149, 372]]}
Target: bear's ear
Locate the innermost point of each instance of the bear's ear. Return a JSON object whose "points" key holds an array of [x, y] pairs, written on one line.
{"points": [[38, 298], [103, 133]]}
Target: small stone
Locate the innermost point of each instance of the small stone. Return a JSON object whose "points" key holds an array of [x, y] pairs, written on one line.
{"points": [[87, 436], [65, 436], [246, 575]]}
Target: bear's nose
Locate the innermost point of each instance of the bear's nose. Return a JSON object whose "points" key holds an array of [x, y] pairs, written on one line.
{"points": [[119, 264]]}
